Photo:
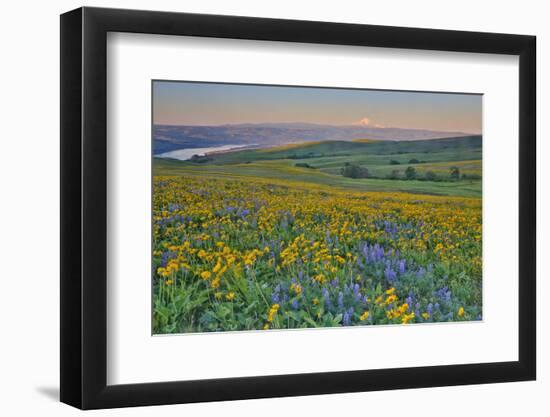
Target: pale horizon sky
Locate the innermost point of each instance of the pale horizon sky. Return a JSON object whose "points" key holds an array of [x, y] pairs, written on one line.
{"points": [[211, 104]]}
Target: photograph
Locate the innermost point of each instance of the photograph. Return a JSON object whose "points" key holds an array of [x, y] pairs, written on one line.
{"points": [[293, 207]]}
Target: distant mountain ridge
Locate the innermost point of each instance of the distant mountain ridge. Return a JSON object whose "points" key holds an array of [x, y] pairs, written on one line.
{"points": [[172, 137]]}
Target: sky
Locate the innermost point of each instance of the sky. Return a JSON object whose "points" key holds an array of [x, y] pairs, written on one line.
{"points": [[196, 103]]}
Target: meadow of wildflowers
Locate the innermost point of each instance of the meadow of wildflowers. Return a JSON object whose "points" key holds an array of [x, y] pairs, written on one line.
{"points": [[265, 254]]}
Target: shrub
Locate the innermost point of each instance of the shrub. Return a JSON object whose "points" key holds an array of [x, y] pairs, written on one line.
{"points": [[200, 159], [455, 173], [430, 176], [303, 165], [394, 175], [355, 171], [394, 162], [410, 173], [414, 161]]}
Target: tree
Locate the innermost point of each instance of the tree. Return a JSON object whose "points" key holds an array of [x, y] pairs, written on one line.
{"points": [[430, 176], [355, 171], [455, 173], [394, 175], [394, 162], [200, 159], [410, 173], [414, 161]]}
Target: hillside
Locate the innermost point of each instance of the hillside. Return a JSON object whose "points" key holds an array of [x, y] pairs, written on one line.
{"points": [[168, 138], [323, 163]]}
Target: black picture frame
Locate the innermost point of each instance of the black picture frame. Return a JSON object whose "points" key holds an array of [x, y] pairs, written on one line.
{"points": [[84, 207]]}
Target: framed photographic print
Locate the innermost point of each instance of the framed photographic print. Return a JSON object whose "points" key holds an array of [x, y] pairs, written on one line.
{"points": [[258, 207]]}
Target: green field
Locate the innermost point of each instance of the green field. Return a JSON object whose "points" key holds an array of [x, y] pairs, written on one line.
{"points": [[326, 160]]}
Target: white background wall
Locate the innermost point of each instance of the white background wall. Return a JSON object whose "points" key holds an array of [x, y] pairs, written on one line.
{"points": [[29, 225]]}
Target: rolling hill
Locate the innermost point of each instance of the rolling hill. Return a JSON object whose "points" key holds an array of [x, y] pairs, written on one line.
{"points": [[322, 163]]}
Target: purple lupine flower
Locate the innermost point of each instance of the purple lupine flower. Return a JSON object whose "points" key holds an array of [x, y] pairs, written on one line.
{"points": [[295, 304], [390, 274], [444, 294], [402, 266], [378, 252], [326, 296], [275, 298], [334, 283], [347, 317], [166, 256], [429, 309], [356, 293], [366, 253], [346, 320], [421, 271], [340, 299]]}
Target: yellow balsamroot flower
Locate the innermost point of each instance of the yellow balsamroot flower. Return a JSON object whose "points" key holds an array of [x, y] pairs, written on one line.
{"points": [[461, 312], [407, 318], [391, 299], [364, 316], [215, 282], [390, 291], [297, 288], [272, 312], [315, 301], [426, 315], [218, 295], [379, 299], [169, 282], [230, 296], [266, 326], [404, 307], [206, 275], [320, 278]]}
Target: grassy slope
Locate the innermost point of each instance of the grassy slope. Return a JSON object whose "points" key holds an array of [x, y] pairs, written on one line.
{"points": [[285, 170], [462, 149], [329, 157]]}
